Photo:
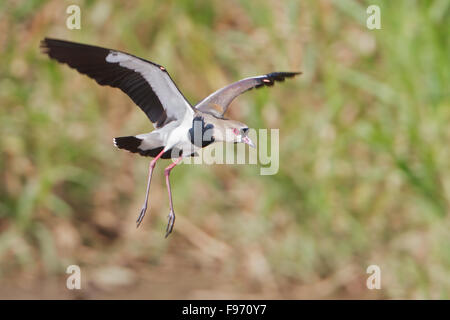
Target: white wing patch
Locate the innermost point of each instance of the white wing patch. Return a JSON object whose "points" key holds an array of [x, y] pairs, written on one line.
{"points": [[172, 100], [115, 57]]}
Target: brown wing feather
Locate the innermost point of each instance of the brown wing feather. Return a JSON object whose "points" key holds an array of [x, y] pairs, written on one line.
{"points": [[218, 102]]}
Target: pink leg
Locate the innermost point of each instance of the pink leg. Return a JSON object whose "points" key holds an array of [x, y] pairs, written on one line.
{"points": [[171, 217], [150, 172]]}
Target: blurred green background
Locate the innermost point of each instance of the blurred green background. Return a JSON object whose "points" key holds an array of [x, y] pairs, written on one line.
{"points": [[364, 172]]}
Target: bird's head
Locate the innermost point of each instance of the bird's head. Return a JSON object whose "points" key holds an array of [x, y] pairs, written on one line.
{"points": [[233, 131]]}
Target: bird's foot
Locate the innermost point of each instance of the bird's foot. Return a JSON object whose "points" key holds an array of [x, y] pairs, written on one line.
{"points": [[170, 223], [141, 216]]}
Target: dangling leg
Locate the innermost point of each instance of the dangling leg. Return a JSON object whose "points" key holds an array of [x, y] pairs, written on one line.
{"points": [[150, 172], [171, 219]]}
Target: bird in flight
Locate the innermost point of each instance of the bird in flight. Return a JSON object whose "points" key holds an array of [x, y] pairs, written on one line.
{"points": [[180, 129]]}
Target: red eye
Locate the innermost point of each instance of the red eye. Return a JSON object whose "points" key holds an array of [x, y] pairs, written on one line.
{"points": [[235, 131]]}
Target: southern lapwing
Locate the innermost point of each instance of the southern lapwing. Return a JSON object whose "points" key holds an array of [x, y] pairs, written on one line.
{"points": [[180, 128]]}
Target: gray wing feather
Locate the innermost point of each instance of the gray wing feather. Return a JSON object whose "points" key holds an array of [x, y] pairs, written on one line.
{"points": [[217, 103]]}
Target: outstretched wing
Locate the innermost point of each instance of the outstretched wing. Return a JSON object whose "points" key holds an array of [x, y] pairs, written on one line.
{"points": [[146, 83], [217, 103]]}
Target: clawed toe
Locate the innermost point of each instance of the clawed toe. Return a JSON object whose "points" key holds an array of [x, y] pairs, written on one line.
{"points": [[170, 223], [141, 216]]}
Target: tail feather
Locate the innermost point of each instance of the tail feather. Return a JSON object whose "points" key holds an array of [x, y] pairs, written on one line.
{"points": [[129, 143], [132, 144]]}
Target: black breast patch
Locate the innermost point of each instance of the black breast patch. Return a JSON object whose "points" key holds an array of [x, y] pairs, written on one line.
{"points": [[201, 133]]}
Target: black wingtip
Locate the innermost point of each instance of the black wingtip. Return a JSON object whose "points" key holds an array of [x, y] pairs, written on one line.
{"points": [[43, 45], [279, 76], [270, 78], [48, 42]]}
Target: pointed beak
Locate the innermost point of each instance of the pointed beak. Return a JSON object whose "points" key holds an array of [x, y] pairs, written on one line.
{"points": [[248, 141]]}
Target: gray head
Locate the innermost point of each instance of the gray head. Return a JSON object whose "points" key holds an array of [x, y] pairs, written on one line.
{"points": [[231, 131]]}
